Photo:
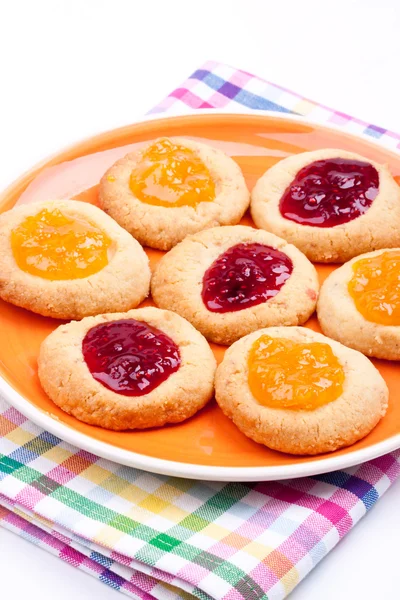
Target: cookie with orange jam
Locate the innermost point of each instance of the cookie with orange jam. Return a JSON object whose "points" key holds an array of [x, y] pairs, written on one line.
{"points": [[229, 281], [297, 391], [173, 187], [360, 304], [134, 370], [68, 259], [331, 204]]}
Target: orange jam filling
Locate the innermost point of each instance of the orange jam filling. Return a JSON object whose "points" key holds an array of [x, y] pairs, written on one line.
{"points": [[293, 375], [171, 175], [375, 287], [54, 246]]}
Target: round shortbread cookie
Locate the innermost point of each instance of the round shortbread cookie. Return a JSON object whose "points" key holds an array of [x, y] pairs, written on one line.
{"points": [[378, 227], [340, 319], [178, 283], [341, 422], [163, 227], [67, 379], [120, 285]]}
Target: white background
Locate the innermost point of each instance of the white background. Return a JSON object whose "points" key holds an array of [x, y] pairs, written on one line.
{"points": [[72, 68]]}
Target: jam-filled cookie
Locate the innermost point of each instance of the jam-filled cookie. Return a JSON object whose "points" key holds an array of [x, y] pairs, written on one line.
{"points": [[360, 304], [171, 188], [296, 391], [331, 204], [229, 281], [68, 259], [134, 370]]}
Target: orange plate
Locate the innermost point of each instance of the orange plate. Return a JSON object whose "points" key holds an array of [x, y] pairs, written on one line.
{"points": [[207, 445]]}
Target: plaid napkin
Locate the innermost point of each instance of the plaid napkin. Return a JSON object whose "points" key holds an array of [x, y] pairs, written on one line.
{"points": [[151, 536]]}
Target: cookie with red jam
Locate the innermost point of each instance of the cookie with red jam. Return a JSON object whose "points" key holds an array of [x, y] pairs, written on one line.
{"points": [[331, 204], [134, 370], [297, 391], [229, 281], [171, 188]]}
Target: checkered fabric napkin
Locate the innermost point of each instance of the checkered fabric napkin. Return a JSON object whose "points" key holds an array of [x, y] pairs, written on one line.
{"points": [[151, 536]]}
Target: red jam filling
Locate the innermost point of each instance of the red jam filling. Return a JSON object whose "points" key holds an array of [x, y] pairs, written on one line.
{"points": [[130, 357], [330, 192], [243, 276]]}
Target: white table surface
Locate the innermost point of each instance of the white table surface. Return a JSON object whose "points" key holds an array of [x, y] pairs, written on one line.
{"points": [[72, 68]]}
